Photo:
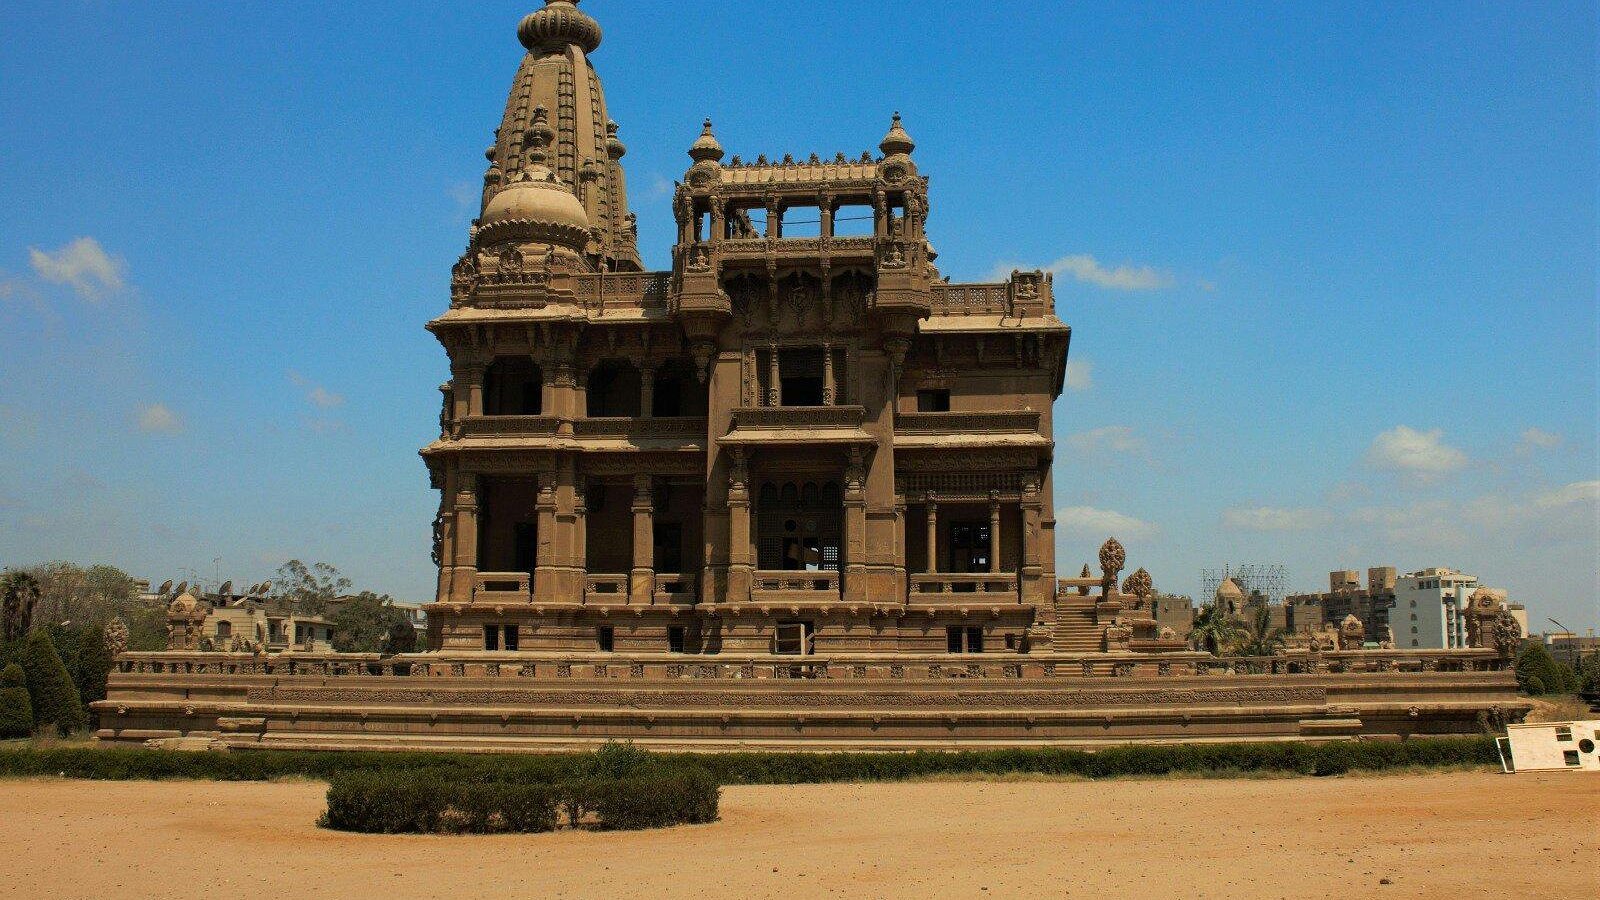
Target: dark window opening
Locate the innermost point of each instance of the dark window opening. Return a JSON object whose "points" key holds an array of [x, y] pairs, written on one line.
{"points": [[605, 637], [933, 401], [969, 549], [801, 370], [491, 637], [668, 547], [959, 639], [675, 638], [512, 638], [224, 629], [1570, 757], [513, 386], [678, 391], [794, 638], [614, 390], [525, 546]]}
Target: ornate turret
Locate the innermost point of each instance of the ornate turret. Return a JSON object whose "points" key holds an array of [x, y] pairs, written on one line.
{"points": [[556, 74], [897, 141], [535, 206]]}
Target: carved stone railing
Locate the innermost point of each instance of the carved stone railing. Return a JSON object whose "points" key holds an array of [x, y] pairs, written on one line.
{"points": [[508, 426], [970, 299], [1480, 670], [798, 416], [674, 589], [998, 422], [644, 290], [502, 587], [963, 586], [606, 586], [777, 584], [687, 428]]}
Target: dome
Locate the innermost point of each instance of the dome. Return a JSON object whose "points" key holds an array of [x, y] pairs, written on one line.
{"points": [[537, 201], [1230, 590], [560, 23], [896, 141], [705, 147]]}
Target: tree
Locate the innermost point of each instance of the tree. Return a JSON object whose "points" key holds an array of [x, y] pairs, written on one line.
{"points": [[19, 595], [1589, 673], [308, 591], [50, 688], [1538, 672], [16, 711], [72, 593], [1259, 638], [1213, 630], [402, 637], [361, 624]]}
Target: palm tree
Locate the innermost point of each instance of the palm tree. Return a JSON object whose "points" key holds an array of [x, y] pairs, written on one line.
{"points": [[1213, 630], [1259, 638]]}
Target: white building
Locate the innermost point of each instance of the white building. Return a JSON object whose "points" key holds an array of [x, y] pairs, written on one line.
{"points": [[1430, 608]]}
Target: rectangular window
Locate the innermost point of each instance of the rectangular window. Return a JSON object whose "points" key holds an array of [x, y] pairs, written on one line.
{"points": [[512, 638], [1563, 732], [667, 538], [1570, 757], [952, 638], [974, 640], [675, 635], [605, 637], [963, 640], [933, 401], [793, 638], [491, 637]]}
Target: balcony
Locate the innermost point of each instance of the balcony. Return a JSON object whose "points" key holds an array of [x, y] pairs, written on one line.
{"points": [[685, 430], [676, 590], [938, 430], [798, 425], [601, 433], [795, 587], [949, 588], [502, 587], [508, 426], [605, 589]]}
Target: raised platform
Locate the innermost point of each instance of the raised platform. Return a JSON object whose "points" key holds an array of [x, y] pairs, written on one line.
{"points": [[540, 702]]}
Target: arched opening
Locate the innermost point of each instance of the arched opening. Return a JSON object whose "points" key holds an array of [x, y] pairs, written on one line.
{"points": [[613, 390], [513, 386], [678, 392], [800, 526]]}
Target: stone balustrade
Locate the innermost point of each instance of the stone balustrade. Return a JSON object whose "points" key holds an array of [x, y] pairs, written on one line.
{"points": [[785, 585], [964, 587], [998, 422], [502, 587]]}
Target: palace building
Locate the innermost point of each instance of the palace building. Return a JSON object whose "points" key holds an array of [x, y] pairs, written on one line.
{"points": [[792, 493], [799, 438]]}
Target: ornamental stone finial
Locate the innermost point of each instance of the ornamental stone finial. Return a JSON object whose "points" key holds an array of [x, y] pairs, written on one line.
{"points": [[1112, 557], [1138, 584], [556, 26], [705, 148], [1083, 589], [897, 140]]}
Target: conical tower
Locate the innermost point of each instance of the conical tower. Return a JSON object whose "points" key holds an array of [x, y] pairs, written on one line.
{"points": [[585, 153]]}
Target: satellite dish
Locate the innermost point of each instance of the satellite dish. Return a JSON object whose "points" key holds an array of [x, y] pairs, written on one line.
{"points": [[165, 586], [266, 587], [182, 586], [227, 589], [254, 590]]}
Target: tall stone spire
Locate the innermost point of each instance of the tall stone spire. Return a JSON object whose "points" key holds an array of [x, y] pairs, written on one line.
{"points": [[556, 74]]}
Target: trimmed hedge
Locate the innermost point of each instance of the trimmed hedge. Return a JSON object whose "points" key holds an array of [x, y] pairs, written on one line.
{"points": [[50, 689], [117, 763], [447, 803], [16, 712]]}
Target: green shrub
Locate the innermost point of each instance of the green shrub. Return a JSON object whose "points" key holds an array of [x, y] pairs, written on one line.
{"points": [[54, 696], [1538, 672], [16, 711], [1534, 686]]}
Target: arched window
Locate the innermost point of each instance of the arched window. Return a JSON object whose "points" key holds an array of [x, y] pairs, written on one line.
{"points": [[614, 389], [513, 386], [678, 391]]}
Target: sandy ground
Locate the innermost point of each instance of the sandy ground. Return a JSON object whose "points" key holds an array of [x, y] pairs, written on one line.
{"points": [[1436, 835]]}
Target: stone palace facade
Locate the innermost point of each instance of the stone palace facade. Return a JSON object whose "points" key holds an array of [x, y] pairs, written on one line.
{"points": [[800, 438]]}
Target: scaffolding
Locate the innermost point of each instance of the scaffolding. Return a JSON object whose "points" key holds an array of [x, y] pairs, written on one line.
{"points": [[1269, 580]]}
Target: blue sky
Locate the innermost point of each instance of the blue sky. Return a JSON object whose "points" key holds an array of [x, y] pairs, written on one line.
{"points": [[1331, 270]]}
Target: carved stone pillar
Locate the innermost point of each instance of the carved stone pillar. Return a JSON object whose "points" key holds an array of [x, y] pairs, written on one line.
{"points": [[774, 220], [642, 580], [854, 584], [466, 538], [933, 534], [740, 563], [774, 377], [825, 206], [475, 390], [994, 532], [445, 541], [647, 389], [545, 578], [1032, 584], [828, 389]]}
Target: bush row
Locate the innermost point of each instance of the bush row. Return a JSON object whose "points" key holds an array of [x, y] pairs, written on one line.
{"points": [[445, 802], [756, 768]]}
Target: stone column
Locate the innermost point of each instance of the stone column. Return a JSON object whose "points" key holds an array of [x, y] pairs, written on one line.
{"points": [[740, 563], [994, 532], [854, 577], [544, 566], [647, 389], [933, 534], [774, 220], [444, 535], [466, 538], [825, 206], [642, 583], [1031, 584], [828, 389], [475, 390], [774, 377]]}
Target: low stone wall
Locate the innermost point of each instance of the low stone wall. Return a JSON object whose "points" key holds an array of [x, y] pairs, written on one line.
{"points": [[491, 701]]}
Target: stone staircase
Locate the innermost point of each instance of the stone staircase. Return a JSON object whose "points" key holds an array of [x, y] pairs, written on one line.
{"points": [[1076, 630]]}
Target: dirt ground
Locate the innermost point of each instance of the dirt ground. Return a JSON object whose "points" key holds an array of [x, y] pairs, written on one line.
{"points": [[1435, 835]]}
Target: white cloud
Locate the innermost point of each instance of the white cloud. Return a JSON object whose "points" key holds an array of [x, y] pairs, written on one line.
{"points": [[1109, 439], [1080, 375], [316, 394], [157, 418], [84, 265], [1534, 439], [1270, 518], [1090, 522], [1087, 269], [1577, 492], [1422, 455]]}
